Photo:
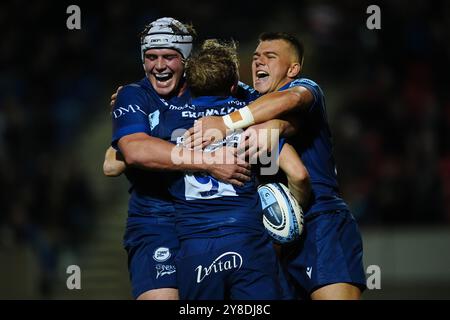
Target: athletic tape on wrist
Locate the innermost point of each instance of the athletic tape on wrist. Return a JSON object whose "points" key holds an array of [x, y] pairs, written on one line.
{"points": [[239, 119]]}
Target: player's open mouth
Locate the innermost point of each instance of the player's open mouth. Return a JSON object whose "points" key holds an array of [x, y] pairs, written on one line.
{"points": [[163, 77], [261, 78], [261, 74]]}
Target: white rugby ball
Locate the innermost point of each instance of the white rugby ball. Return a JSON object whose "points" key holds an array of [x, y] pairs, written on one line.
{"points": [[282, 215]]}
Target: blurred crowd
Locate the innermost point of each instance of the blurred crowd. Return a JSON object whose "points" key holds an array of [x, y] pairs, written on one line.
{"points": [[392, 124], [387, 94]]}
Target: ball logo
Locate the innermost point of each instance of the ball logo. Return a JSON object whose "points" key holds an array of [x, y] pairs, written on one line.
{"points": [[275, 217], [161, 254], [226, 261], [282, 215]]}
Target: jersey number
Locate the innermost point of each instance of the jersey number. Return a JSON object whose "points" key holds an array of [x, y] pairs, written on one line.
{"points": [[201, 186]]}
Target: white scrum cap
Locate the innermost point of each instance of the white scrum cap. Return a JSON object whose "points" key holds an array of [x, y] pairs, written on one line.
{"points": [[167, 33]]}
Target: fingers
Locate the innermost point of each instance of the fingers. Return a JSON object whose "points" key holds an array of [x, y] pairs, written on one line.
{"points": [[187, 137], [206, 143], [231, 150], [114, 96], [198, 137], [256, 156], [236, 182], [243, 145], [240, 160], [244, 171], [195, 138], [241, 155], [245, 165], [197, 142], [198, 125], [241, 177], [250, 138], [235, 156], [250, 153], [259, 155], [112, 102]]}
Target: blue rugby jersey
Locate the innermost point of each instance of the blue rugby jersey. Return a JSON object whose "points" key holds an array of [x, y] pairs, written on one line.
{"points": [[316, 149], [206, 207], [137, 109], [314, 145]]}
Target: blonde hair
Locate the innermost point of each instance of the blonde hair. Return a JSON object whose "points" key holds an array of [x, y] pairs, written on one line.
{"points": [[214, 69]]}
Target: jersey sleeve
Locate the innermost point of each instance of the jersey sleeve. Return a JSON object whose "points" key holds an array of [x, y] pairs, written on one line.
{"points": [[312, 87], [130, 113]]}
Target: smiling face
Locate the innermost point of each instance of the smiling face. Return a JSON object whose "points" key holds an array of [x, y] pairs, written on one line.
{"points": [[164, 68], [274, 65]]}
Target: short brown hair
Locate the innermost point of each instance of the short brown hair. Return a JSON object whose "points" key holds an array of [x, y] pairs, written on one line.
{"points": [[289, 38], [213, 70]]}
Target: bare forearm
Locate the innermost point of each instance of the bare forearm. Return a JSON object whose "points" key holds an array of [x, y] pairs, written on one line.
{"points": [[274, 105], [146, 152], [155, 154], [270, 106], [301, 192], [297, 175]]}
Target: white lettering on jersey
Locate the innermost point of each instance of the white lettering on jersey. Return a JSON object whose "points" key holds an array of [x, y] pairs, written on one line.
{"points": [[125, 110]]}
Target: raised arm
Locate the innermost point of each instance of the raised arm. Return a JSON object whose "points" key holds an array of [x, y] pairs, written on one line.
{"points": [[146, 152], [270, 106], [273, 106], [132, 136], [260, 139]]}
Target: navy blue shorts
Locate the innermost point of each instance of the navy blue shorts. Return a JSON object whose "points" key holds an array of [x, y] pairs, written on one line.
{"points": [[152, 245], [239, 266], [330, 251]]}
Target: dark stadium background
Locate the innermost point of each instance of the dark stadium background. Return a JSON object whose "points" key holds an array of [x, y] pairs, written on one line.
{"points": [[388, 104]]}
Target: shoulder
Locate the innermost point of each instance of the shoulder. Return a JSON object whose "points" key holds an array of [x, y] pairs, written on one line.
{"points": [[137, 93], [245, 87], [310, 85], [305, 82], [131, 89]]}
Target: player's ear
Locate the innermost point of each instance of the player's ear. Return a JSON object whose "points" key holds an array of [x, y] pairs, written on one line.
{"points": [[294, 70]]}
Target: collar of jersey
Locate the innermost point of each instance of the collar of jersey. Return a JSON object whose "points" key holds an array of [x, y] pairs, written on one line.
{"points": [[145, 82], [287, 85]]}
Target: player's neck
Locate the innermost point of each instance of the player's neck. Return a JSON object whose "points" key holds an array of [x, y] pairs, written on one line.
{"points": [[183, 88], [283, 83]]}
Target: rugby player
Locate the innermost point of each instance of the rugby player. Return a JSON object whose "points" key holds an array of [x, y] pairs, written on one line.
{"points": [[327, 262], [150, 238], [213, 214], [225, 251]]}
